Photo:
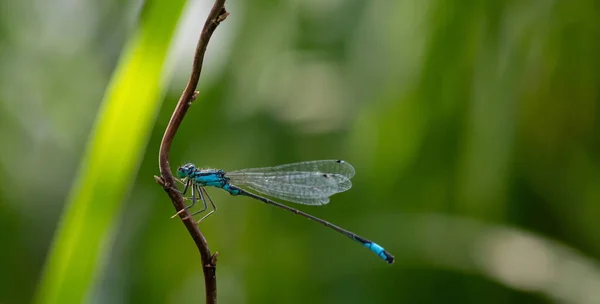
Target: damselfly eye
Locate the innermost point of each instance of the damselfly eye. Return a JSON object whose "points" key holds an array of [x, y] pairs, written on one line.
{"points": [[181, 172], [185, 170]]}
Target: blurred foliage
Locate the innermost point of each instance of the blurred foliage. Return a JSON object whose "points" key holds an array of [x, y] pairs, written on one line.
{"points": [[473, 127], [111, 159]]}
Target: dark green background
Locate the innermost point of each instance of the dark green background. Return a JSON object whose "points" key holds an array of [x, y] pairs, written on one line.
{"points": [[472, 125]]}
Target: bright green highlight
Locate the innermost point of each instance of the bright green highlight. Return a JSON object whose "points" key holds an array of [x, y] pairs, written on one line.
{"points": [[111, 159]]}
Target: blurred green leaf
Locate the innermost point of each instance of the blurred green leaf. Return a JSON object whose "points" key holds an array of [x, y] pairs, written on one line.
{"points": [[112, 158]]}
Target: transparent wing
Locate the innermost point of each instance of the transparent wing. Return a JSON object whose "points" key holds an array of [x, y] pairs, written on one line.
{"points": [[309, 183], [339, 167]]}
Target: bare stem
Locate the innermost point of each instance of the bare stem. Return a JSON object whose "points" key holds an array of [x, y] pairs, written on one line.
{"points": [[209, 261]]}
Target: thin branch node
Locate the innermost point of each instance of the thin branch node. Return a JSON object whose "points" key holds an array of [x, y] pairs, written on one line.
{"points": [[159, 180], [222, 16], [213, 258]]}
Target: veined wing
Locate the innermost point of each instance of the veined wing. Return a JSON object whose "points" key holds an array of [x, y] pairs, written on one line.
{"points": [[309, 183], [339, 167]]}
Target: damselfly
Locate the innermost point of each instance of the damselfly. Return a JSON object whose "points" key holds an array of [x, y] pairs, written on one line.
{"points": [[308, 183]]}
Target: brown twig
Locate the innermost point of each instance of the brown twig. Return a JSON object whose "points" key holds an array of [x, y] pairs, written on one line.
{"points": [[209, 261]]}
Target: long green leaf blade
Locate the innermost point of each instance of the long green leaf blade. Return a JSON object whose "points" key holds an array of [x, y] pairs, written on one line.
{"points": [[111, 159]]}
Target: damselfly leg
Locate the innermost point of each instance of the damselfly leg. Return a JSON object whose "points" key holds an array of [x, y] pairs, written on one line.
{"points": [[204, 194], [187, 185], [199, 190]]}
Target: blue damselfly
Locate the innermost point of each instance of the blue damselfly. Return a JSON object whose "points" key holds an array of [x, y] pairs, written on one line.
{"points": [[308, 183]]}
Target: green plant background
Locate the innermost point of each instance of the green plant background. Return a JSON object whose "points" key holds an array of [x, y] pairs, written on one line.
{"points": [[473, 127]]}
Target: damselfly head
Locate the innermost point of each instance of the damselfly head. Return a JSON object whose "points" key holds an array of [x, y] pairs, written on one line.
{"points": [[185, 170]]}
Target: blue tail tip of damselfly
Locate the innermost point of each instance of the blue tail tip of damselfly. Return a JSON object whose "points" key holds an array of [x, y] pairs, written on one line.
{"points": [[378, 250]]}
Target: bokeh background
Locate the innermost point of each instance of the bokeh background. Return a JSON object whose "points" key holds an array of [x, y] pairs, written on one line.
{"points": [[472, 125]]}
